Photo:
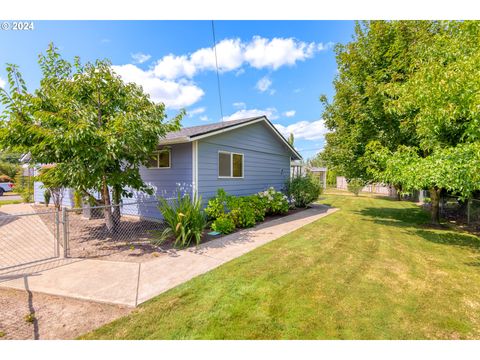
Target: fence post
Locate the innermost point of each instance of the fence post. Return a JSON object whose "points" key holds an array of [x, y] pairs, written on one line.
{"points": [[57, 233], [65, 232], [469, 203]]}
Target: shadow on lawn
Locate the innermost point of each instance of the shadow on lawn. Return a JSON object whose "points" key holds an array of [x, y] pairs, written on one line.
{"points": [[417, 222]]}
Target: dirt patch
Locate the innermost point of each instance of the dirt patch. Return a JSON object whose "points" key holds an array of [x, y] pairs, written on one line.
{"points": [[27, 315]]}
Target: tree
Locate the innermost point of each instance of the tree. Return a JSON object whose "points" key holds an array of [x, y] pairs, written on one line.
{"points": [[380, 54], [291, 139], [441, 99], [97, 130]]}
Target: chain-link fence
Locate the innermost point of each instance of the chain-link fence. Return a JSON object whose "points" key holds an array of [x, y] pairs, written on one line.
{"points": [[30, 239], [34, 238], [461, 211], [128, 238], [27, 239]]}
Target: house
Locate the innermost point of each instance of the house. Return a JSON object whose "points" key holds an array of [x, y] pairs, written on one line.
{"points": [[241, 156]]}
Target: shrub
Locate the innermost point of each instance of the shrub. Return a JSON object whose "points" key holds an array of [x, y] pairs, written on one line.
{"points": [[258, 205], [24, 186], [303, 190], [217, 205], [355, 186], [243, 215], [184, 218], [224, 224], [46, 196], [77, 199], [276, 202], [9, 169]]}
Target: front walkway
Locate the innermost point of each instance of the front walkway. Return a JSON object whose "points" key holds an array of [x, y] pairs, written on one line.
{"points": [[134, 283]]}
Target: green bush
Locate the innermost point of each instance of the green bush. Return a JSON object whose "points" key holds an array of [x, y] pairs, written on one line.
{"points": [[355, 186], [275, 201], [217, 206], [77, 199], [185, 220], [258, 205], [243, 215], [9, 169], [46, 196], [224, 224], [24, 186], [303, 190]]}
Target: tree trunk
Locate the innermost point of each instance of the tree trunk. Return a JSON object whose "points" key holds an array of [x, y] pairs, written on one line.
{"points": [[435, 210], [116, 202], [398, 190], [106, 202]]}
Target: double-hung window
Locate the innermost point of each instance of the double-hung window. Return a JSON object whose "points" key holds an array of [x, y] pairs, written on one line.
{"points": [[230, 165], [160, 159]]}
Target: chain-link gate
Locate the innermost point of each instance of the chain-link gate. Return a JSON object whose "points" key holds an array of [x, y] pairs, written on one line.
{"points": [[28, 238]]}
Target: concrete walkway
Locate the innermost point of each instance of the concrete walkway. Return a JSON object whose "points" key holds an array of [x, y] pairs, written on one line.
{"points": [[133, 283]]}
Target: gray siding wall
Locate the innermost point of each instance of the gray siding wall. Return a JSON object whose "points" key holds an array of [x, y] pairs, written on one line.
{"points": [[165, 182], [38, 191], [266, 161]]}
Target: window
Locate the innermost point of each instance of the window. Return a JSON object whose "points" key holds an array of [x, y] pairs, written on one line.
{"points": [[230, 165], [160, 159]]}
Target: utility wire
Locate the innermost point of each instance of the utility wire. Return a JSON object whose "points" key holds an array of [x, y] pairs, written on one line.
{"points": [[216, 65]]}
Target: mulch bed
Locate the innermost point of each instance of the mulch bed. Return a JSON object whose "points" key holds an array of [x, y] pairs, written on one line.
{"points": [[131, 242]]}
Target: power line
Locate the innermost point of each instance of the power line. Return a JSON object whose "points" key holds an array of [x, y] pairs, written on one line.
{"points": [[216, 65]]}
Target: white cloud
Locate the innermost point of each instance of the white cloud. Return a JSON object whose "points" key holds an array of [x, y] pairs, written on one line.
{"points": [[193, 112], [172, 67], [140, 58], [296, 91], [264, 53], [232, 54], [204, 118], [270, 113], [174, 94], [239, 105], [263, 84], [2, 83], [290, 113], [229, 56], [308, 130]]}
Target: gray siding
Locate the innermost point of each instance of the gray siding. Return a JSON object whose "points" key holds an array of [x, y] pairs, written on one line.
{"points": [[38, 191], [266, 161], [165, 182]]}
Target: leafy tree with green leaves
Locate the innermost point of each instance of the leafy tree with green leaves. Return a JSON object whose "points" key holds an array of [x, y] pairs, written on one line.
{"points": [[291, 139], [97, 130], [441, 100], [379, 54]]}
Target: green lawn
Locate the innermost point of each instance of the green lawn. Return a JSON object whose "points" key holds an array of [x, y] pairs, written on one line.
{"points": [[8, 202], [369, 271]]}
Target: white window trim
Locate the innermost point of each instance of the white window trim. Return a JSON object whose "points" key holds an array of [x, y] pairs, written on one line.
{"points": [[158, 159], [231, 165]]}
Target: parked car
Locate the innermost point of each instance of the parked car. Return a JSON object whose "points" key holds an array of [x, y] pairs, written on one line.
{"points": [[5, 187]]}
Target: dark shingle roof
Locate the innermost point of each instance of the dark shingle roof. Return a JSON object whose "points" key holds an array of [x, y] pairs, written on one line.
{"points": [[193, 131]]}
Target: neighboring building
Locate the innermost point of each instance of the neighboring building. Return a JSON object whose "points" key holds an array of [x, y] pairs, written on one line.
{"points": [[241, 156], [375, 188], [320, 173]]}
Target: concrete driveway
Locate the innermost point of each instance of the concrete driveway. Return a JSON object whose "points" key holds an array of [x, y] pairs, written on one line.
{"points": [[134, 283], [24, 237]]}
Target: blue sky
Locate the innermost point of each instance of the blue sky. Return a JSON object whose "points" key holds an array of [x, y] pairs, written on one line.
{"points": [[277, 68]]}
